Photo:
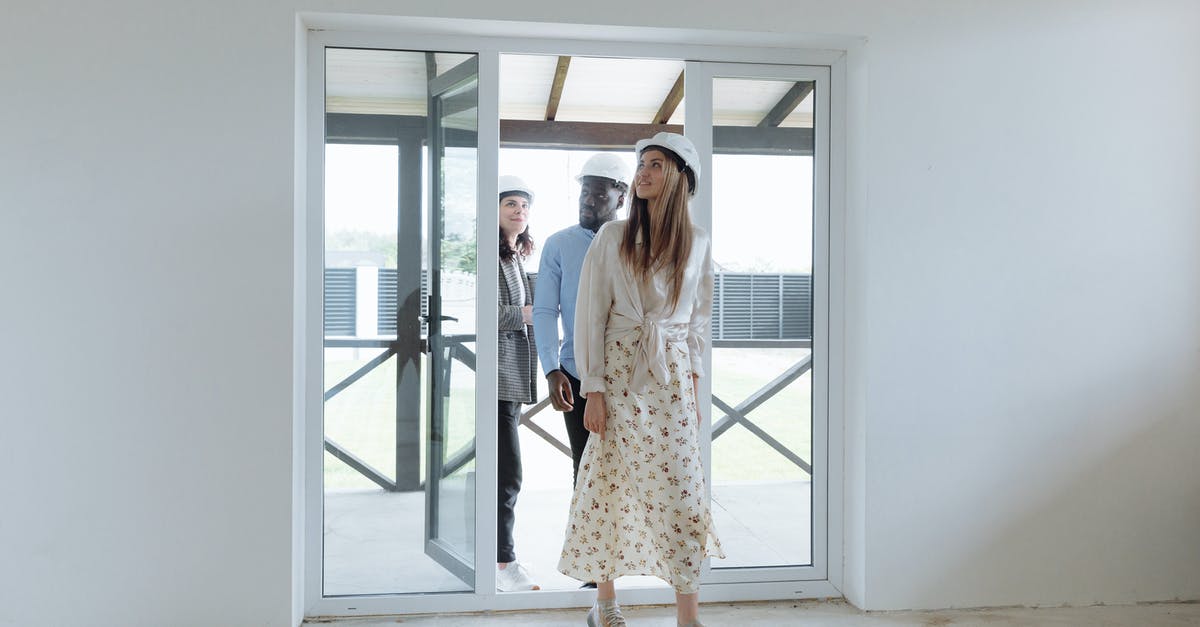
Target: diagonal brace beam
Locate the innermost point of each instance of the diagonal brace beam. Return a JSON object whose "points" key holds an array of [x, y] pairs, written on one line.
{"points": [[459, 459], [733, 414], [463, 354], [467, 452], [787, 104], [556, 88], [776, 444], [527, 420], [361, 466], [360, 373], [670, 103], [738, 418]]}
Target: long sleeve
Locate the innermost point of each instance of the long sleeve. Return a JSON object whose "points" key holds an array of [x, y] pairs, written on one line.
{"points": [[591, 311], [546, 307], [530, 296], [509, 317], [701, 318]]}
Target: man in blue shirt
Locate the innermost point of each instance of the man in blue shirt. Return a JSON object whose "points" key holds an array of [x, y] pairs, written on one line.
{"points": [[602, 189]]}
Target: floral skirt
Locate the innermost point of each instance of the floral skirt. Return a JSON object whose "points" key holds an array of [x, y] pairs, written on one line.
{"points": [[640, 507]]}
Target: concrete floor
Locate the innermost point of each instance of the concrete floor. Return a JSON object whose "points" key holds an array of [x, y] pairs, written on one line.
{"points": [[820, 613], [374, 539]]}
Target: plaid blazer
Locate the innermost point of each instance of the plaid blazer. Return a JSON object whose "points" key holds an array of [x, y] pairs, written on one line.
{"points": [[517, 353]]}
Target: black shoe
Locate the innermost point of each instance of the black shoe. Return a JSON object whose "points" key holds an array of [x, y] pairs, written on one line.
{"points": [[590, 584]]}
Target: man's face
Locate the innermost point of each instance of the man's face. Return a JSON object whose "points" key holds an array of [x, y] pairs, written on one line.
{"points": [[599, 200]]}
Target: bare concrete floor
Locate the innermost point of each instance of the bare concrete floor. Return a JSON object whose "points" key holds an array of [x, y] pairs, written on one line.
{"points": [[374, 539], [821, 613]]}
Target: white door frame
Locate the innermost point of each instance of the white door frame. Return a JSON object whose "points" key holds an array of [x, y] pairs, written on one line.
{"points": [[489, 40], [698, 94]]}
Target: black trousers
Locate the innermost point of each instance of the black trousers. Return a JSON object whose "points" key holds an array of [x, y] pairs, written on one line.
{"points": [[576, 432], [508, 479]]}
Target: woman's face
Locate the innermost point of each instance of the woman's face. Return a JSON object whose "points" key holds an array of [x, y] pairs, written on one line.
{"points": [[514, 214], [651, 174]]}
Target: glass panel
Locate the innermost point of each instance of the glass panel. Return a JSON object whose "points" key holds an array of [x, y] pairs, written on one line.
{"points": [[361, 418], [604, 105], [762, 325], [450, 489], [374, 419]]}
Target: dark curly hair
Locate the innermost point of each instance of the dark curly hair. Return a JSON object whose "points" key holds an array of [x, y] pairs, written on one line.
{"points": [[524, 246]]}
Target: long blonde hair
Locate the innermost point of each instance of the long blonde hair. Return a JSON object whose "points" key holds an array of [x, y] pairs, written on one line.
{"points": [[665, 228]]}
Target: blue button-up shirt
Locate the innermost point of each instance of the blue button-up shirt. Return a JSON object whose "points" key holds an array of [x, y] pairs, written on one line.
{"points": [[557, 289]]}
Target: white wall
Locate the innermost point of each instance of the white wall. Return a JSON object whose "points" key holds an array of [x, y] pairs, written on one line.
{"points": [[1024, 324], [1032, 252], [145, 202]]}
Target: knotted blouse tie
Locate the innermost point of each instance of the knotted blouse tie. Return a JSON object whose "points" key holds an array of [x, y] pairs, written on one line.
{"points": [[649, 339]]}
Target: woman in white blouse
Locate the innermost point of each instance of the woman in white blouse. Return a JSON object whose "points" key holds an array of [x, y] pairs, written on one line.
{"points": [[645, 300]]}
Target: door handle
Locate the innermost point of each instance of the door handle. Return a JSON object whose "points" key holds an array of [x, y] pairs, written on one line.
{"points": [[425, 319]]}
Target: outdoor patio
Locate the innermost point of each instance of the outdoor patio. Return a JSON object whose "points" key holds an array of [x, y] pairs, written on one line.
{"points": [[374, 538]]}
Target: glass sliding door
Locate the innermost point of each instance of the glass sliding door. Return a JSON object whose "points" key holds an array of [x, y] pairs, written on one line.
{"points": [[378, 430], [767, 211], [450, 452], [400, 370]]}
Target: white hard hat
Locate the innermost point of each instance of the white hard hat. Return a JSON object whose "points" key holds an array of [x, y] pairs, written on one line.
{"points": [[510, 183], [676, 143], [605, 165]]}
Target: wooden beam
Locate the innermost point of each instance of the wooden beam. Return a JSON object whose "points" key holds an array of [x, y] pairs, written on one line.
{"points": [[577, 135], [750, 140], [560, 79], [727, 140], [787, 104], [351, 128], [373, 128], [671, 103], [459, 103]]}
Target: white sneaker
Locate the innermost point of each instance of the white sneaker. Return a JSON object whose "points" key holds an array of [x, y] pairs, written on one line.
{"points": [[515, 577]]}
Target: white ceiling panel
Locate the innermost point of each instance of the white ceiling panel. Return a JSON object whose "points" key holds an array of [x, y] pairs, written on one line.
{"points": [[525, 82], [596, 89], [745, 102], [616, 90], [380, 81]]}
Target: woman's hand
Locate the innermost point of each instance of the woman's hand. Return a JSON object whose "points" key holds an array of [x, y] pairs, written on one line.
{"points": [[527, 314], [595, 414]]}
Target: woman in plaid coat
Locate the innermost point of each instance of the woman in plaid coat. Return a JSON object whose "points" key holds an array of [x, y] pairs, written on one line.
{"points": [[517, 367]]}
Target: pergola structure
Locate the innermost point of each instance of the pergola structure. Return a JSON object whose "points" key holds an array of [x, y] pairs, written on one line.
{"points": [[581, 103], [546, 102]]}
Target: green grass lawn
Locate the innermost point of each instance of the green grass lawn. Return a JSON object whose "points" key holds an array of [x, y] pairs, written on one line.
{"points": [[362, 417], [738, 454]]}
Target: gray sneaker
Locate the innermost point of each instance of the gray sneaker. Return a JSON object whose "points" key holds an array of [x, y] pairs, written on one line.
{"points": [[609, 616]]}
